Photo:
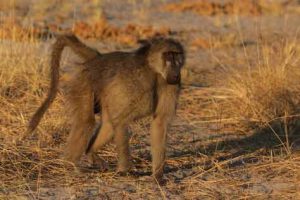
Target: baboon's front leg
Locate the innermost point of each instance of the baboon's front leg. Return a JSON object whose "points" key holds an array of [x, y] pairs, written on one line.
{"points": [[158, 145], [122, 144], [164, 112], [103, 137]]}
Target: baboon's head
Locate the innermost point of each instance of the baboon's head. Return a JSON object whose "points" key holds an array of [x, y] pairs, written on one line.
{"points": [[166, 57]]}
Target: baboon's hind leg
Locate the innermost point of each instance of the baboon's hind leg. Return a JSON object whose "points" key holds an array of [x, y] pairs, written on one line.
{"points": [[102, 137], [81, 100], [122, 144], [105, 134]]}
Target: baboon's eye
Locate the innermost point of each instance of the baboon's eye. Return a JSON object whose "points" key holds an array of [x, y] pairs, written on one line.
{"points": [[178, 59], [174, 59], [167, 56]]}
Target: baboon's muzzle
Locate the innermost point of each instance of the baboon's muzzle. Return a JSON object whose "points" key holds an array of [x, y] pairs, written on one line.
{"points": [[173, 78]]}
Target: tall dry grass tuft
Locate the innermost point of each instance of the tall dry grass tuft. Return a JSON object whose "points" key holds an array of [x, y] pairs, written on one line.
{"points": [[268, 94]]}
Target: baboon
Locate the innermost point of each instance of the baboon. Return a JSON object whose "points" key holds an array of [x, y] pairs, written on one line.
{"points": [[123, 86]]}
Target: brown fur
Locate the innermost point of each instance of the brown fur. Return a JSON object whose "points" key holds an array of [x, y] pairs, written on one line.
{"points": [[79, 48], [127, 86]]}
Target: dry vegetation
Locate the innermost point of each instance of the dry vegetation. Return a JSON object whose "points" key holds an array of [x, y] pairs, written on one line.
{"points": [[100, 29], [270, 91], [238, 139], [245, 7]]}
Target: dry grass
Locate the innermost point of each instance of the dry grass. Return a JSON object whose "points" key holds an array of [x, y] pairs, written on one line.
{"points": [[212, 8], [95, 26], [98, 29], [267, 93], [129, 34], [214, 42]]}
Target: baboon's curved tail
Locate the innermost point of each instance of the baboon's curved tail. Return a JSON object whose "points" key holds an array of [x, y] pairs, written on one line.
{"points": [[58, 47], [80, 49]]}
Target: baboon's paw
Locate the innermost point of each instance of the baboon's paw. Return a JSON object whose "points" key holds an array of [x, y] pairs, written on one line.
{"points": [[95, 162], [124, 167]]}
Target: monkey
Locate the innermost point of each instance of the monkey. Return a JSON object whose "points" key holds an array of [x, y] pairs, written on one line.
{"points": [[123, 87]]}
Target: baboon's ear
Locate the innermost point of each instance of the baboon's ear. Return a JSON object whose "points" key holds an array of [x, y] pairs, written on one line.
{"points": [[145, 46], [144, 42]]}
